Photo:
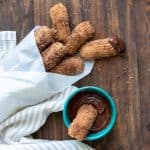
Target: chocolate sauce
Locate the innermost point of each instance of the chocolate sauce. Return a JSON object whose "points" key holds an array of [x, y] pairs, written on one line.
{"points": [[117, 43], [100, 103]]}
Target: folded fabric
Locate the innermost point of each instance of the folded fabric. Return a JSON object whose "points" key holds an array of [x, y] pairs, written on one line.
{"points": [[15, 129], [28, 96]]}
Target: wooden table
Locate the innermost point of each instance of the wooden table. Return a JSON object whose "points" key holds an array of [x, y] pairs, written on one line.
{"points": [[127, 78]]}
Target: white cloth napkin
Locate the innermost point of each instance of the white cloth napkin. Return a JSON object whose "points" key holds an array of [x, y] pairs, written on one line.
{"points": [[28, 96]]}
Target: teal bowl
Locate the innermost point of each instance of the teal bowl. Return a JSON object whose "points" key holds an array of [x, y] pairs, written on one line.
{"points": [[100, 134]]}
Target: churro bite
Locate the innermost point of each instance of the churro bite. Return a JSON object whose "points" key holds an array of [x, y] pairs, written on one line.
{"points": [[70, 66], [81, 33], [44, 36], [53, 55], [60, 21]]}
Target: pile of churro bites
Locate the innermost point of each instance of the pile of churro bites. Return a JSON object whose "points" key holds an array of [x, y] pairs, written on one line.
{"points": [[63, 51]]}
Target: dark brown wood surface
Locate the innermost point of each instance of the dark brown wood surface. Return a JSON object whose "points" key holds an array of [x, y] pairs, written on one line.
{"points": [[127, 78]]}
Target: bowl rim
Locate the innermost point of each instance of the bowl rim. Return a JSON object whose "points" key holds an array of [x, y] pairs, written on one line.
{"points": [[100, 134]]}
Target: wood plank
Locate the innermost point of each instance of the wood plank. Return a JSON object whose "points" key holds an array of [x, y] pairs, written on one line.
{"points": [[16, 15], [143, 56]]}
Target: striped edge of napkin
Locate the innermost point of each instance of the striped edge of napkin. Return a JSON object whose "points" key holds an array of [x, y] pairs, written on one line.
{"points": [[16, 130], [7, 41]]}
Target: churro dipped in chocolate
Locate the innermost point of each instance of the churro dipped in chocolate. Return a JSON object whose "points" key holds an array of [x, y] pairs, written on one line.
{"points": [[83, 121], [102, 48]]}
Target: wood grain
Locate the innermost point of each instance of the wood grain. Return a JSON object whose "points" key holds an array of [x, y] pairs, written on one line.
{"points": [[126, 77], [17, 15]]}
